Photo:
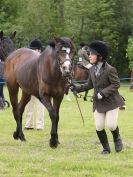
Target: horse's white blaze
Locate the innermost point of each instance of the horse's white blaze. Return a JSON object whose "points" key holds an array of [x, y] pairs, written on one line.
{"points": [[67, 57], [66, 67], [66, 49]]}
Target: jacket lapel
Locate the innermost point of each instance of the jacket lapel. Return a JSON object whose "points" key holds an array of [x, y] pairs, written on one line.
{"points": [[101, 72], [94, 77]]}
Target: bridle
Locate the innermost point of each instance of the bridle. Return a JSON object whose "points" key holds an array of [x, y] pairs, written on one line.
{"points": [[67, 58], [61, 62]]}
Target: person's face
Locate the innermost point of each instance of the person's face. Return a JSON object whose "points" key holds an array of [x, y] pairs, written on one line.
{"points": [[38, 50], [92, 58]]}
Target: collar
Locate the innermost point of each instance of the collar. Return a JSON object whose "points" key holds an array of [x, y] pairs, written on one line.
{"points": [[99, 65]]}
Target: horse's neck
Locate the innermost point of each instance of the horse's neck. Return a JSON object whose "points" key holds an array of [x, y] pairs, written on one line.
{"points": [[51, 68], [55, 67]]}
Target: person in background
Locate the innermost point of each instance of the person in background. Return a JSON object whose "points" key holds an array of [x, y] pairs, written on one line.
{"points": [[106, 99], [35, 107], [83, 57]]}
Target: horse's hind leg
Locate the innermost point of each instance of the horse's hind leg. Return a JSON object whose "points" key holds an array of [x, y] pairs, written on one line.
{"points": [[17, 111], [21, 106], [13, 93]]}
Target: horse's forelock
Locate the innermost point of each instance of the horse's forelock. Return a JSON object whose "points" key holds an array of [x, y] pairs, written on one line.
{"points": [[66, 42], [63, 41]]}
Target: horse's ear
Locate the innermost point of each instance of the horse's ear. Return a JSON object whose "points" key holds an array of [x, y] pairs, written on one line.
{"points": [[56, 39], [1, 35], [12, 36], [72, 38]]}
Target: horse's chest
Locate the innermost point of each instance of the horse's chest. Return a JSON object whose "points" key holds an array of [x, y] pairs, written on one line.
{"points": [[58, 90]]}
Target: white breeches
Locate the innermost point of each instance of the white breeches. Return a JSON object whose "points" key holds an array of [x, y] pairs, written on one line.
{"points": [[35, 109], [110, 117]]}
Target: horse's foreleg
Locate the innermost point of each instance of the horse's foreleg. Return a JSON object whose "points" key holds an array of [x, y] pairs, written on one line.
{"points": [[46, 101], [56, 105]]}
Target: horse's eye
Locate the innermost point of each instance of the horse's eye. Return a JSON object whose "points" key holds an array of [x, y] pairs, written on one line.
{"points": [[57, 51], [62, 51]]}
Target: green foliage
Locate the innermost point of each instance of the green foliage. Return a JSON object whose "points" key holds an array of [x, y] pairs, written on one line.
{"points": [[129, 53], [87, 20]]}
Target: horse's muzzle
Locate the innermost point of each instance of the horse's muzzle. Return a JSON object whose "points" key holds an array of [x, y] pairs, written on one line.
{"points": [[67, 74]]}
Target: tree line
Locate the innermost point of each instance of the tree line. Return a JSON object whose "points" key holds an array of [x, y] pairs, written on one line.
{"points": [[86, 20]]}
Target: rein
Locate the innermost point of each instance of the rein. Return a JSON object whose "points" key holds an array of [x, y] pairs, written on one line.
{"points": [[76, 96], [61, 63]]}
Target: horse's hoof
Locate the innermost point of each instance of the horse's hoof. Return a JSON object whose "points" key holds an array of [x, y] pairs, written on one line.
{"points": [[85, 99], [15, 136], [22, 138], [53, 143], [58, 142]]}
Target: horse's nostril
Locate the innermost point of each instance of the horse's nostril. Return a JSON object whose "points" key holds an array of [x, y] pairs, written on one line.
{"points": [[64, 67]]}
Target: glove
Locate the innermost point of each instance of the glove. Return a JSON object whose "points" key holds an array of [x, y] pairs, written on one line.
{"points": [[99, 96]]}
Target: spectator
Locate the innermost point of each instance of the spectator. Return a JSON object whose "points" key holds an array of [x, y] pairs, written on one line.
{"points": [[35, 107]]}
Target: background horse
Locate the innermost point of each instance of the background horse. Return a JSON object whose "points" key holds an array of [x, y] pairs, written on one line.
{"points": [[6, 45], [80, 75], [45, 77]]}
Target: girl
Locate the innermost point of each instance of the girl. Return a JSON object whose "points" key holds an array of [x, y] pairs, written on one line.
{"points": [[106, 98]]}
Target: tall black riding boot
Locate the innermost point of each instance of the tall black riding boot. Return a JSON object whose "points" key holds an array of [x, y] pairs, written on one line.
{"points": [[117, 140], [104, 141]]}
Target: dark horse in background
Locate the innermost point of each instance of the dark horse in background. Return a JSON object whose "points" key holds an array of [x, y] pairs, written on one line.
{"points": [[6, 45], [45, 77], [81, 75]]}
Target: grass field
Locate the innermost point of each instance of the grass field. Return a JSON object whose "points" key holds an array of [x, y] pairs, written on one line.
{"points": [[78, 155]]}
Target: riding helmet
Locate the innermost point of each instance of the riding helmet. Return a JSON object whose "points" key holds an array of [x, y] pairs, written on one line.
{"points": [[82, 44], [99, 47], [35, 44]]}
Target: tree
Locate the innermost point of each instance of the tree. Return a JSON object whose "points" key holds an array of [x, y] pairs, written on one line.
{"points": [[129, 53], [87, 20]]}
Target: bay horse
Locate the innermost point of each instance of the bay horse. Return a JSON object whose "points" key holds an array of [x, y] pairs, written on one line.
{"points": [[6, 45], [45, 77], [81, 75]]}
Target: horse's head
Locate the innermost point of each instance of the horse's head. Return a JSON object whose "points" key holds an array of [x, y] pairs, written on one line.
{"points": [[6, 45], [65, 50]]}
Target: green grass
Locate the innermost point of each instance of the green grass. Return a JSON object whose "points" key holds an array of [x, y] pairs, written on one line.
{"points": [[78, 155]]}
